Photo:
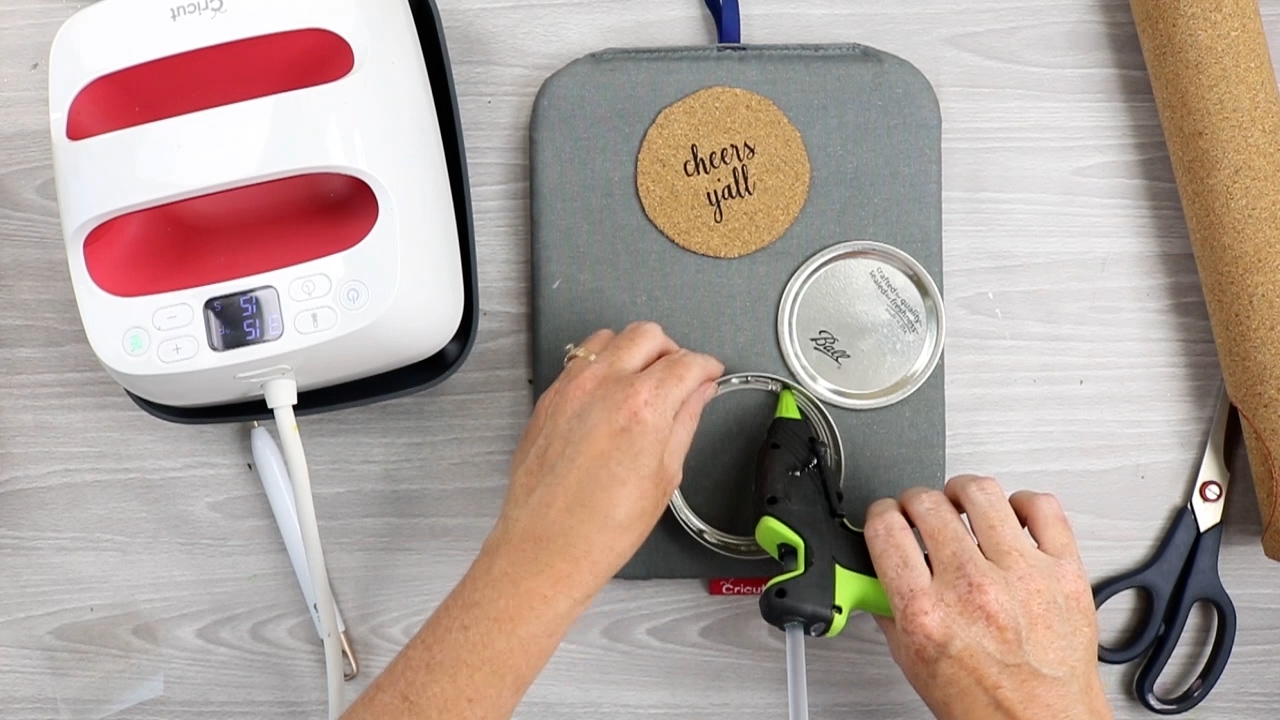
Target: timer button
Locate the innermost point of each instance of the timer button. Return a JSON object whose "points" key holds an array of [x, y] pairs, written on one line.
{"points": [[316, 320], [310, 287], [136, 342], [173, 317], [178, 349], [354, 295]]}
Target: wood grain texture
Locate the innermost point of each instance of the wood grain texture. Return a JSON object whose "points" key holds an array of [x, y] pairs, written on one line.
{"points": [[143, 573]]}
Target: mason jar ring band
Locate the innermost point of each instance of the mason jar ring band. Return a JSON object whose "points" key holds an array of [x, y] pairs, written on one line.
{"points": [[745, 547]]}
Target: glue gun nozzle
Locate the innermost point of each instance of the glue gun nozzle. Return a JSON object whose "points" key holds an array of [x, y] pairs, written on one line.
{"points": [[787, 406]]}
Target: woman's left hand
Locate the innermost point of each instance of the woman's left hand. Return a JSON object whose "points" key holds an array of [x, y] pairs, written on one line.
{"points": [[605, 449]]}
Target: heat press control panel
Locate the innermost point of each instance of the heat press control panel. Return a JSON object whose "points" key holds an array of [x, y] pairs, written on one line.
{"points": [[311, 320], [245, 319], [311, 305]]}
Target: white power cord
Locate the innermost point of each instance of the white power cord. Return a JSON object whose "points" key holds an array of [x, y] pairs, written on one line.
{"points": [[281, 395], [269, 463]]}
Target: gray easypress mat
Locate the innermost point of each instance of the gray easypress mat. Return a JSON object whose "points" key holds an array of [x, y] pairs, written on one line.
{"points": [[872, 126]]}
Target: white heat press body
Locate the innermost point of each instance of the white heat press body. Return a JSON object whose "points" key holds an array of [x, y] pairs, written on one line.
{"points": [[257, 188]]}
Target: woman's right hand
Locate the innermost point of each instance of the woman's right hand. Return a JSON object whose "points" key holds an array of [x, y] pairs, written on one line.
{"points": [[999, 624]]}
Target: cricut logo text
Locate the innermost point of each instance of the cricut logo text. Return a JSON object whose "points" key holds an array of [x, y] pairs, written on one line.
{"points": [[737, 586], [212, 8]]}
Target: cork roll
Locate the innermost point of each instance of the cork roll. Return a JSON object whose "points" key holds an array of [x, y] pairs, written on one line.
{"points": [[1215, 89]]}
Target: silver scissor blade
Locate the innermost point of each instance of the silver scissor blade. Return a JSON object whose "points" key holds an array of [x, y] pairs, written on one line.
{"points": [[1209, 495]]}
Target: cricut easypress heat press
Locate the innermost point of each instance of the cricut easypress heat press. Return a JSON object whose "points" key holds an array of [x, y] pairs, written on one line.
{"points": [[250, 189], [265, 207]]}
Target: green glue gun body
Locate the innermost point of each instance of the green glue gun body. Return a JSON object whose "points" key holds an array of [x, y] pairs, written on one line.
{"points": [[827, 571]]}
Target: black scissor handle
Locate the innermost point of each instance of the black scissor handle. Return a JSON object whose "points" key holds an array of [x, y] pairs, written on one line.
{"points": [[1158, 578], [1203, 585]]}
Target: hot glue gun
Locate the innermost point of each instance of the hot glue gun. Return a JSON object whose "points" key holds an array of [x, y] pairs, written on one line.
{"points": [[826, 569], [827, 572]]}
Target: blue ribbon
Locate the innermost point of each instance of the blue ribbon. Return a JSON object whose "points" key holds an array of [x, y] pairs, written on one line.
{"points": [[728, 20]]}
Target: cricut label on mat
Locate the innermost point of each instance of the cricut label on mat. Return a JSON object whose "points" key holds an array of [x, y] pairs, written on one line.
{"points": [[723, 172]]}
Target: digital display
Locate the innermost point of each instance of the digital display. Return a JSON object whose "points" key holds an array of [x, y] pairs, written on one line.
{"points": [[244, 319]]}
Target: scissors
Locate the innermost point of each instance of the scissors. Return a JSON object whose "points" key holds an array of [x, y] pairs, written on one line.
{"points": [[1182, 573]]}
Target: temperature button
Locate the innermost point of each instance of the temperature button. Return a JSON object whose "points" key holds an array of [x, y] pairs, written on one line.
{"points": [[316, 320]]}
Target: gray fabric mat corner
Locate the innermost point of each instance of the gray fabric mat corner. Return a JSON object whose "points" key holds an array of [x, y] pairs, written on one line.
{"points": [[873, 128]]}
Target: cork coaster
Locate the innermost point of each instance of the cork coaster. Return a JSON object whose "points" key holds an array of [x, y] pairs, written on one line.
{"points": [[723, 172]]}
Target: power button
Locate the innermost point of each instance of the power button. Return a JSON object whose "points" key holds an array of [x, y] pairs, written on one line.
{"points": [[354, 295]]}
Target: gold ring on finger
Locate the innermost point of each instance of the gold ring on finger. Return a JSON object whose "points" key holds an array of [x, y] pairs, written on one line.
{"points": [[573, 352]]}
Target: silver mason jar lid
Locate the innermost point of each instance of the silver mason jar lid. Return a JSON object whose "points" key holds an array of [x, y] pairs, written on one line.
{"points": [[861, 325], [745, 547]]}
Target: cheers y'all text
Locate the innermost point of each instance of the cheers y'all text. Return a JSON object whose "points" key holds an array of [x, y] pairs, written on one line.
{"points": [[728, 168]]}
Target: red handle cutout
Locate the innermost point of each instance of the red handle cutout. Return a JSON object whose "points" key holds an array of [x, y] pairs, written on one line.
{"points": [[232, 234], [208, 78]]}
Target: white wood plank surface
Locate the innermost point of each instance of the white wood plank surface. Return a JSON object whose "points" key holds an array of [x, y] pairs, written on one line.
{"points": [[143, 574]]}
